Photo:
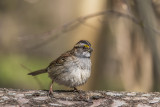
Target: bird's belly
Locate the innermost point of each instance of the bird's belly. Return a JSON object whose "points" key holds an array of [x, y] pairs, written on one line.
{"points": [[73, 77]]}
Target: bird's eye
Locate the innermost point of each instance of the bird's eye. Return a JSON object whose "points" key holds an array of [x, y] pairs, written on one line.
{"points": [[84, 47]]}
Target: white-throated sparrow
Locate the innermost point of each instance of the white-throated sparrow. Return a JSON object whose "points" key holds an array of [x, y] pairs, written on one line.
{"points": [[72, 68]]}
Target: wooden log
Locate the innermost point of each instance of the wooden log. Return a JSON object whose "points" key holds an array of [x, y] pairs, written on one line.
{"points": [[20, 97]]}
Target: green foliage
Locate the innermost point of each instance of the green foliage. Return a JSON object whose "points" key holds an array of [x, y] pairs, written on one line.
{"points": [[14, 75]]}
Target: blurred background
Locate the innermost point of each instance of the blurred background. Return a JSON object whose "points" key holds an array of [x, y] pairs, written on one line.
{"points": [[124, 34]]}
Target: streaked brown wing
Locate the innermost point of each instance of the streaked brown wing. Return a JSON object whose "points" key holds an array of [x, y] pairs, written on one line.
{"points": [[60, 60]]}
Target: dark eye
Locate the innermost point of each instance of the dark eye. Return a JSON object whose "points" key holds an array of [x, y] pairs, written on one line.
{"points": [[84, 47]]}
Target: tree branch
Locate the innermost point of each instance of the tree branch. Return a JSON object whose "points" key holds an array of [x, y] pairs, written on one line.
{"points": [[54, 34], [57, 32]]}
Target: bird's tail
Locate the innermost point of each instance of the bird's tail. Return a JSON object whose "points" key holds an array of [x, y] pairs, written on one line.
{"points": [[37, 72]]}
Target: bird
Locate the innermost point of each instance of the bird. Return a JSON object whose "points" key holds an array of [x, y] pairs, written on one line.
{"points": [[72, 68]]}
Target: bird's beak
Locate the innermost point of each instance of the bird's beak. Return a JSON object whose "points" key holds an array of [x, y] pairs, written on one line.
{"points": [[90, 50]]}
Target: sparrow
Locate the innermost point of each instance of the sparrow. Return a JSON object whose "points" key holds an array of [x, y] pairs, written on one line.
{"points": [[72, 68]]}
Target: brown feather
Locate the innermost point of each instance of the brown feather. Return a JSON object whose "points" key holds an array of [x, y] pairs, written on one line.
{"points": [[37, 72], [60, 60]]}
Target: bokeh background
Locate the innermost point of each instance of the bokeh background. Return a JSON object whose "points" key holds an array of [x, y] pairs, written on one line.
{"points": [[124, 34]]}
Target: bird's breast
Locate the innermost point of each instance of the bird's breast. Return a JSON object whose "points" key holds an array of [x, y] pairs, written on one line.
{"points": [[76, 73]]}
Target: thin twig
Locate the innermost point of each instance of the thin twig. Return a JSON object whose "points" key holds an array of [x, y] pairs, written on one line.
{"points": [[37, 80], [54, 34]]}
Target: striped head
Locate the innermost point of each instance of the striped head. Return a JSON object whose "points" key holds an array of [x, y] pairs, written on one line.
{"points": [[83, 49]]}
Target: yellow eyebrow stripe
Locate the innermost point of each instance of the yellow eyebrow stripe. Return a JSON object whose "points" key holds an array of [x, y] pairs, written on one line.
{"points": [[86, 46]]}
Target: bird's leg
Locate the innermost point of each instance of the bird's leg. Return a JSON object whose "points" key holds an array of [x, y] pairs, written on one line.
{"points": [[50, 89], [75, 89]]}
